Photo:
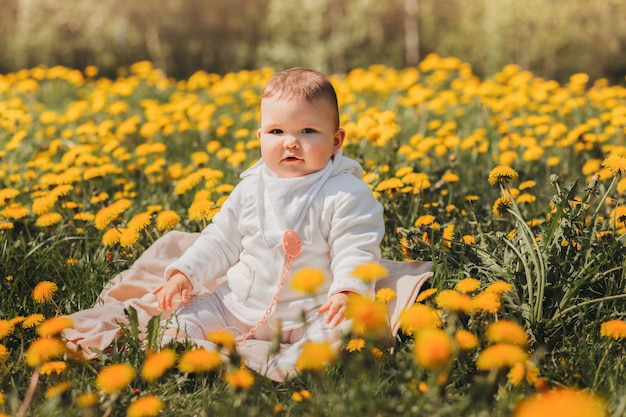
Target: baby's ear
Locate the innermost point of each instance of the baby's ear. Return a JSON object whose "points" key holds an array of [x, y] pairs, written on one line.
{"points": [[340, 135]]}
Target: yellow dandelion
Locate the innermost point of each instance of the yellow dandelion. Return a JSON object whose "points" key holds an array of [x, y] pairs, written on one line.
{"points": [[53, 326], [156, 364], [433, 349], [418, 317], [7, 225], [42, 350], [516, 374], [370, 272], [111, 237], [16, 211], [502, 175], [85, 217], [389, 184], [450, 177], [486, 302], [385, 295], [616, 164], [4, 353], [240, 378], [128, 237], [115, 378], [49, 219], [367, 314], [53, 367], [469, 240], [140, 221], [454, 301], [199, 360], [32, 320], [6, 328], [202, 210], [8, 194], [501, 355], [307, 280], [44, 291], [467, 285], [466, 339], [614, 329], [499, 287], [57, 389], [506, 331], [355, 345], [222, 338], [146, 406], [315, 356], [167, 219], [424, 220], [87, 399], [106, 215], [426, 294], [501, 206], [571, 402]]}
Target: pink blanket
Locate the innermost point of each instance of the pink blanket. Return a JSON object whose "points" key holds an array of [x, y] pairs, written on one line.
{"points": [[98, 326]]}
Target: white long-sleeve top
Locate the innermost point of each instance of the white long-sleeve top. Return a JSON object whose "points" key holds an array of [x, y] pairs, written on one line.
{"points": [[333, 211]]}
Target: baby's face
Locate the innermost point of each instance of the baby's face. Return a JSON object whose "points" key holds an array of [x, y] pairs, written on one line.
{"points": [[298, 138]]}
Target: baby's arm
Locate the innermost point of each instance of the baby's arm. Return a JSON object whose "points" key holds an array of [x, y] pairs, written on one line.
{"points": [[177, 284], [336, 308]]}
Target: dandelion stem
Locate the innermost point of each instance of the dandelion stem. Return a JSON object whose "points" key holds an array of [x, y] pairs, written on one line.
{"points": [[606, 355], [29, 394]]}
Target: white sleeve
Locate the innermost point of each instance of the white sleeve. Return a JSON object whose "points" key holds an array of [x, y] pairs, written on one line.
{"points": [[217, 248], [357, 229]]}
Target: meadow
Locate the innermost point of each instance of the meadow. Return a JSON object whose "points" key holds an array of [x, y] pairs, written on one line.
{"points": [[512, 185]]}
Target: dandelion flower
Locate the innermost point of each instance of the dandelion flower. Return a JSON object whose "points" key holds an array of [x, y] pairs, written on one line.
{"points": [[44, 291], [385, 295], [370, 272], [240, 378], [516, 374], [454, 301], [156, 364], [506, 331], [115, 377], [501, 206], [128, 237], [54, 367], [16, 211], [614, 329], [199, 360], [202, 210], [87, 399], [486, 302], [571, 402], [111, 237], [426, 294], [315, 356], [222, 338], [355, 345], [307, 280], [467, 285], [42, 350], [32, 320], [4, 353], [433, 349], [501, 355], [368, 315], [466, 339], [48, 219], [106, 215], [57, 389], [167, 219], [418, 317], [616, 164], [499, 287], [146, 406], [502, 175], [53, 326], [6, 328]]}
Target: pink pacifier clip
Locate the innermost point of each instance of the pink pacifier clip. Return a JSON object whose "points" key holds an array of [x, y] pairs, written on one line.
{"points": [[292, 245]]}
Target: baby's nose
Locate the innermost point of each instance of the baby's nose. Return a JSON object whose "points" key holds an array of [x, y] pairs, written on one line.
{"points": [[290, 141]]}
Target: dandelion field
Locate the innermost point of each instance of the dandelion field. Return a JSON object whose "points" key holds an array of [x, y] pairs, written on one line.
{"points": [[513, 186]]}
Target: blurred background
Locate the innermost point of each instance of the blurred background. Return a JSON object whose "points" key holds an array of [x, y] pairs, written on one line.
{"points": [[552, 38]]}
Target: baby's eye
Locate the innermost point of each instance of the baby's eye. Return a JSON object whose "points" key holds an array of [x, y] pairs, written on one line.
{"points": [[308, 130], [276, 131]]}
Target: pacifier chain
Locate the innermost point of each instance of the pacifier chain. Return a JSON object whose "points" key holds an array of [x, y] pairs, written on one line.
{"points": [[292, 245]]}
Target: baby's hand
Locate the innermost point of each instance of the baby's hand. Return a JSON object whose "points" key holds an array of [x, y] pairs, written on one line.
{"points": [[177, 284], [336, 308]]}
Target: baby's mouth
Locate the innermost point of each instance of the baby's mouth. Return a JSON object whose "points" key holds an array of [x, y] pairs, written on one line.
{"points": [[291, 159]]}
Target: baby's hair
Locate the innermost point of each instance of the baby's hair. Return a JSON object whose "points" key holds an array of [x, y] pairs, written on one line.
{"points": [[302, 84]]}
